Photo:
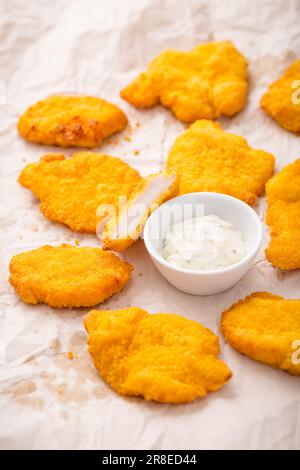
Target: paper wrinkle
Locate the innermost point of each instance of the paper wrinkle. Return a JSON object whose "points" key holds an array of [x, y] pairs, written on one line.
{"points": [[47, 400]]}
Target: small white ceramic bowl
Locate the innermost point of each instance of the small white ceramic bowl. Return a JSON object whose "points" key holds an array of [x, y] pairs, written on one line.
{"points": [[242, 216]]}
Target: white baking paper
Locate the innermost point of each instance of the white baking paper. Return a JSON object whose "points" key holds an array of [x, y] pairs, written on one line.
{"points": [[96, 47]]}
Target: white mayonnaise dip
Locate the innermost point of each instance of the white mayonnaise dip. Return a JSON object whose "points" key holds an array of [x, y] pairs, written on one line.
{"points": [[204, 244]]}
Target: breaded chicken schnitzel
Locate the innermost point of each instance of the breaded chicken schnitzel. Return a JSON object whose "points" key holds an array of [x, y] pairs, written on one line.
{"points": [[283, 217], [206, 158], [71, 121], [162, 357], [266, 328], [68, 276], [282, 99], [71, 190], [204, 83], [120, 232]]}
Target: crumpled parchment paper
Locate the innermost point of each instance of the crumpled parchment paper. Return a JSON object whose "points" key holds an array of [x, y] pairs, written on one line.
{"points": [[48, 401]]}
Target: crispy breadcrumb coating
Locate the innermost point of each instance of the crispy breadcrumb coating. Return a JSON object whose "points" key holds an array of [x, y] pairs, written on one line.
{"points": [[283, 217], [206, 158], [204, 83], [71, 190], [265, 328], [120, 232], [162, 357], [68, 276], [282, 99], [71, 121]]}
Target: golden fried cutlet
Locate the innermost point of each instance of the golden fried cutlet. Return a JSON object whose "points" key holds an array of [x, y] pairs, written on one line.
{"points": [[282, 99], [71, 121], [204, 83], [266, 328], [283, 217], [206, 158], [72, 190], [68, 276], [120, 232], [162, 357]]}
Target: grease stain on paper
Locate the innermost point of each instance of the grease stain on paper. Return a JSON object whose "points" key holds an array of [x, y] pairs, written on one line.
{"points": [[21, 392]]}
